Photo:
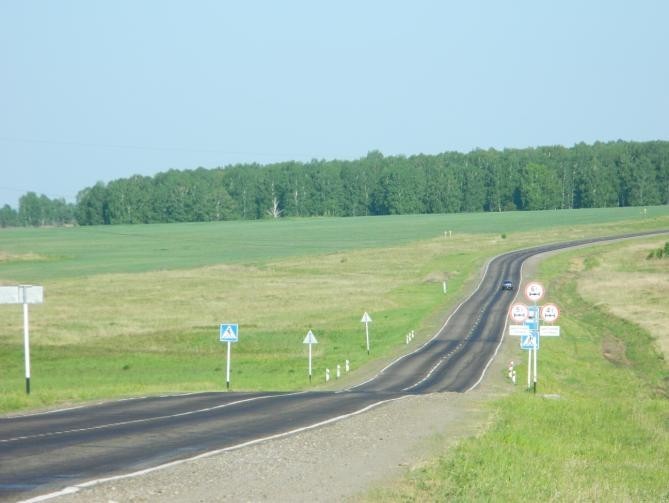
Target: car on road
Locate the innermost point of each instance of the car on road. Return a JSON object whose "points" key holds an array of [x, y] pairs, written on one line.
{"points": [[507, 284]]}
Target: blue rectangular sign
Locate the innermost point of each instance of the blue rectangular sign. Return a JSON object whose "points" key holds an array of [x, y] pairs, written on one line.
{"points": [[229, 332], [530, 341]]}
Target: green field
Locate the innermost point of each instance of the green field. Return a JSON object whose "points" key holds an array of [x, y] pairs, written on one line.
{"points": [[82, 251], [133, 310]]}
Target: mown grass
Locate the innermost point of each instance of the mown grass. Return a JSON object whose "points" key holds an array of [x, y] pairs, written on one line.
{"points": [[600, 433], [122, 318]]}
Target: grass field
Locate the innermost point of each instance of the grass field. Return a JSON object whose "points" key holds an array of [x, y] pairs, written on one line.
{"points": [[35, 255], [602, 433], [135, 310]]}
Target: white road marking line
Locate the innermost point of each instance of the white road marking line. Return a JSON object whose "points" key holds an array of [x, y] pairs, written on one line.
{"points": [[90, 483], [98, 404], [137, 421]]}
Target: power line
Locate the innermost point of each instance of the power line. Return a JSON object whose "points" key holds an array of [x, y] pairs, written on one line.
{"points": [[8, 139]]}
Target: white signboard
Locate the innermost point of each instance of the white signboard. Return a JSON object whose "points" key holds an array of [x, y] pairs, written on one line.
{"points": [[534, 291], [519, 330], [549, 331], [15, 294]]}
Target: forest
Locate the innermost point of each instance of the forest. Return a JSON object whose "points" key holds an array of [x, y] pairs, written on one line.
{"points": [[584, 176]]}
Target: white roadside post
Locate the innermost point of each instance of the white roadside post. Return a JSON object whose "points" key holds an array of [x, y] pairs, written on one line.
{"points": [[310, 339], [228, 332], [366, 319], [23, 294]]}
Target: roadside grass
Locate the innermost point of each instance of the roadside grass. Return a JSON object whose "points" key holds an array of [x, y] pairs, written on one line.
{"points": [[596, 431], [631, 286], [157, 331], [119, 320]]}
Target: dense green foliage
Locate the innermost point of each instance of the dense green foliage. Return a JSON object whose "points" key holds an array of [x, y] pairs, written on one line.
{"points": [[616, 174], [601, 175], [37, 211]]}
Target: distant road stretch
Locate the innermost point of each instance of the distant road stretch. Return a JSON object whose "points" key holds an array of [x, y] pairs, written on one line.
{"points": [[48, 452]]}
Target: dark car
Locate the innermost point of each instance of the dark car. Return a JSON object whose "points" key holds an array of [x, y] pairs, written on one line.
{"points": [[507, 285]]}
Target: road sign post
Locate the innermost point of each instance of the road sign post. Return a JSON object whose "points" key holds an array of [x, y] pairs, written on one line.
{"points": [[310, 339], [531, 331], [534, 292], [366, 319], [23, 294], [229, 333]]}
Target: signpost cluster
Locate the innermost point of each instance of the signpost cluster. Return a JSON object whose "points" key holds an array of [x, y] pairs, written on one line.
{"points": [[529, 328]]}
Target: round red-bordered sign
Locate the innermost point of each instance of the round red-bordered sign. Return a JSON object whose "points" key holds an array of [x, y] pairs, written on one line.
{"points": [[519, 313], [534, 291], [550, 313]]}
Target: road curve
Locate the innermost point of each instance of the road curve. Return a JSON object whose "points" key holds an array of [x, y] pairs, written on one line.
{"points": [[42, 453]]}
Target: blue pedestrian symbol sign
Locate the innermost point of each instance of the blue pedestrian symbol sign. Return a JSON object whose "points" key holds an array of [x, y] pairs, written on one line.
{"points": [[530, 341], [229, 332]]}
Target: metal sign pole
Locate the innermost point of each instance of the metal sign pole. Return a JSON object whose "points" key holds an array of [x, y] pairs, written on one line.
{"points": [[309, 363], [310, 339], [535, 364], [366, 319], [529, 370], [26, 338], [227, 369]]}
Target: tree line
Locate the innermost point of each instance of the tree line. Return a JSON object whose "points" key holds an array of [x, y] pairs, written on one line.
{"points": [[38, 211], [583, 176]]}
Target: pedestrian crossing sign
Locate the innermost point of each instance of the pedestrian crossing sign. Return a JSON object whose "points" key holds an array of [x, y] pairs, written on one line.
{"points": [[229, 332], [530, 341]]}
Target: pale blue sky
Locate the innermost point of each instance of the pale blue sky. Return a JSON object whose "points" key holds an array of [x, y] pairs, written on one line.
{"points": [[98, 90]]}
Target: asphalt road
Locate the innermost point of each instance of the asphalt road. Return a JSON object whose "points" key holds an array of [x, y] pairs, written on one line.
{"points": [[46, 452]]}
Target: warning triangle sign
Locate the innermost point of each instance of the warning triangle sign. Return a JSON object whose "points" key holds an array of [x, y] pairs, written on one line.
{"points": [[310, 338]]}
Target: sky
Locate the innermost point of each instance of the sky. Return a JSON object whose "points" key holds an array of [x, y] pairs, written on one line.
{"points": [[93, 91]]}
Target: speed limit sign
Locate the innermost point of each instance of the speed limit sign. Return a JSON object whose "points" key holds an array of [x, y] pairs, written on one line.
{"points": [[534, 291], [550, 313], [519, 313]]}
